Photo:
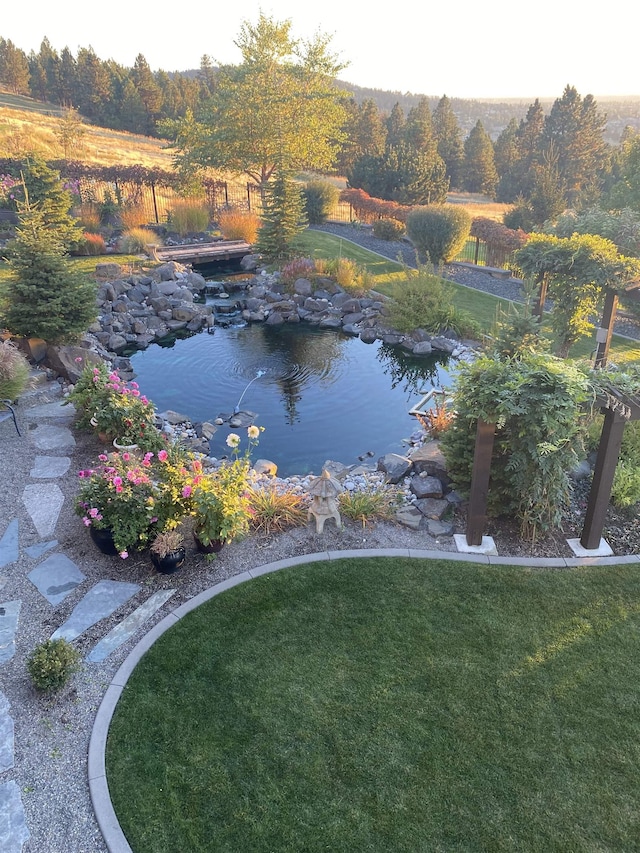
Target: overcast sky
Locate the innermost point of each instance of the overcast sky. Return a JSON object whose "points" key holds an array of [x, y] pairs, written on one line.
{"points": [[495, 49]]}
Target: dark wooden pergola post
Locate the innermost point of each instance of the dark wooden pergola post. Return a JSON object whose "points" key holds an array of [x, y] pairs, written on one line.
{"points": [[603, 334], [477, 512], [543, 284], [607, 459]]}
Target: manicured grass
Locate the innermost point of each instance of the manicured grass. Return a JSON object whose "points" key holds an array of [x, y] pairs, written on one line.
{"points": [[87, 265], [389, 705], [483, 307]]}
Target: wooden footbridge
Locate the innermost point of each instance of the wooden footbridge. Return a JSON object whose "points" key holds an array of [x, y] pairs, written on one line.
{"points": [[202, 253]]}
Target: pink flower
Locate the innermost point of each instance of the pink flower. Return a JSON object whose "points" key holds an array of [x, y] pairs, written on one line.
{"points": [[124, 554], [119, 489], [78, 360], [144, 400], [126, 456], [117, 481], [103, 457], [93, 512], [162, 455], [186, 492], [86, 521]]}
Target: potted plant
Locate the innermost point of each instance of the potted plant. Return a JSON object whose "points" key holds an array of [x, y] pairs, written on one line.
{"points": [[219, 499], [167, 551], [117, 502]]}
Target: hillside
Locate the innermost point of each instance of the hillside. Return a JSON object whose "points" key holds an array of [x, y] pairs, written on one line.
{"points": [[25, 124]]}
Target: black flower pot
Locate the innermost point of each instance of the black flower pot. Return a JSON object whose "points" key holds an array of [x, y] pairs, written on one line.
{"points": [[212, 548], [103, 540], [170, 563]]}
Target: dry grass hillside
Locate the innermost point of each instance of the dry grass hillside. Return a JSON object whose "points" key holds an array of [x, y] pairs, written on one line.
{"points": [[27, 125]]}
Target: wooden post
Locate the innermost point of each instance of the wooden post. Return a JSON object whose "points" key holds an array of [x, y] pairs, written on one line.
{"points": [[543, 284], [155, 203], [477, 512], [607, 459], [603, 334]]}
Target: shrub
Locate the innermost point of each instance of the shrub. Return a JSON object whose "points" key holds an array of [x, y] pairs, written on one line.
{"points": [[90, 244], [625, 491], [320, 198], [295, 269], [439, 231], [425, 301], [236, 224], [189, 216], [136, 240], [52, 663], [536, 403], [388, 229], [132, 216], [14, 371], [349, 275], [369, 504], [438, 418], [273, 511], [89, 217]]}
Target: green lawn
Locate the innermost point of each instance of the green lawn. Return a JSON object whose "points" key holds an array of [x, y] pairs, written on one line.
{"points": [[389, 705], [481, 306]]}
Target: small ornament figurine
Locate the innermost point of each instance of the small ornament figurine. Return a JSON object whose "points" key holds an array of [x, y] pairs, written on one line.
{"points": [[324, 491]]}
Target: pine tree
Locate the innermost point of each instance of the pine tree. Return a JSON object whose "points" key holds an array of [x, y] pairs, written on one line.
{"points": [[574, 130], [480, 174], [418, 130], [45, 190], [14, 68], [45, 297], [449, 140], [283, 218], [395, 126]]}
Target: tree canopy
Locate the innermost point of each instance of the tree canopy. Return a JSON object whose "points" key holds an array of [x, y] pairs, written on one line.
{"points": [[279, 109]]}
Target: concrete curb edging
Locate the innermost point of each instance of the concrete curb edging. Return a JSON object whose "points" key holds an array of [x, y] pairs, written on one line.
{"points": [[96, 768]]}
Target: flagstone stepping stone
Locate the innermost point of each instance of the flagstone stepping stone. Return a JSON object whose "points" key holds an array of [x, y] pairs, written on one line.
{"points": [[51, 410], [101, 601], [6, 736], [43, 502], [9, 612], [56, 577], [128, 627], [9, 544], [47, 437], [13, 829], [49, 466], [40, 548]]}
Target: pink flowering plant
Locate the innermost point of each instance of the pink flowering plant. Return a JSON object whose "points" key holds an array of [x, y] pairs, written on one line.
{"points": [[120, 496], [116, 407], [220, 499]]}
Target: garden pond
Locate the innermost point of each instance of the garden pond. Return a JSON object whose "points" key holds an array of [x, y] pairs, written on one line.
{"points": [[319, 394]]}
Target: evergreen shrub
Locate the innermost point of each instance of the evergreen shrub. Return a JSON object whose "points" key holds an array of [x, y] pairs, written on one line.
{"points": [[52, 663], [320, 198], [439, 231], [388, 229]]}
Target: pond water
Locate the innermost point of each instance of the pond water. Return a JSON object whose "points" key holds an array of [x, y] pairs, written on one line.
{"points": [[318, 393]]}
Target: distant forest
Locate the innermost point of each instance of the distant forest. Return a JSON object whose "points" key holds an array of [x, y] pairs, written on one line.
{"points": [[137, 99]]}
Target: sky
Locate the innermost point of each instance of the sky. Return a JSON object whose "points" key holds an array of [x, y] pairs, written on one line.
{"points": [[495, 49]]}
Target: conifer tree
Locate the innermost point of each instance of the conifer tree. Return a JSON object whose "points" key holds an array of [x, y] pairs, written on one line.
{"points": [[480, 174], [449, 140], [283, 217], [45, 297]]}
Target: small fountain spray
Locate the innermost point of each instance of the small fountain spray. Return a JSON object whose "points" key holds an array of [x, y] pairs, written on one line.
{"points": [[259, 373]]}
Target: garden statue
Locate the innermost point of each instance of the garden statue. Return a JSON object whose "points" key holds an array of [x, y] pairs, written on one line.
{"points": [[324, 491]]}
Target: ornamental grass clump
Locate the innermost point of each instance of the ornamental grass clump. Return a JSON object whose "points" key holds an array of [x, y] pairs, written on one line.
{"points": [[14, 371], [273, 510], [120, 496], [365, 505]]}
